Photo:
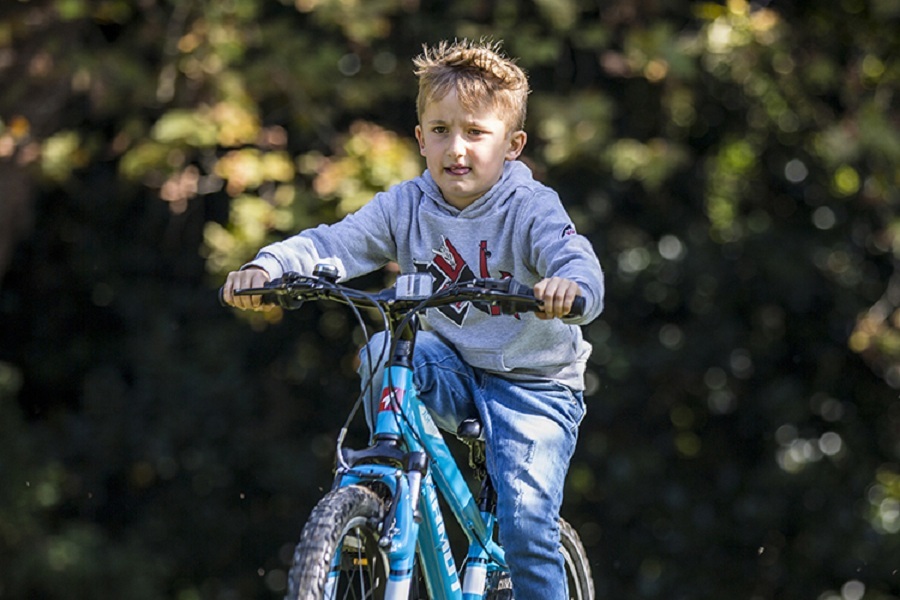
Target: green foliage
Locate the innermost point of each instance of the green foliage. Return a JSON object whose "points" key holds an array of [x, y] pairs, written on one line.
{"points": [[734, 163], [573, 126]]}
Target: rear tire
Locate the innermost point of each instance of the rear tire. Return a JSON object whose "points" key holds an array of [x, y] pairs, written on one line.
{"points": [[341, 531], [575, 563], [578, 569]]}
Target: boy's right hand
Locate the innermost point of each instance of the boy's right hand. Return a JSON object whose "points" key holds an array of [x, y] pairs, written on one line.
{"points": [[557, 294], [250, 277]]}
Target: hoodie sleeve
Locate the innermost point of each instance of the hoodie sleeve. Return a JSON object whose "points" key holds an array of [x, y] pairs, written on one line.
{"points": [[558, 250], [357, 244]]}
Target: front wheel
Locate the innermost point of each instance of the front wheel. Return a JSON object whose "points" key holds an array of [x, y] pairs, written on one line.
{"points": [[338, 555], [578, 570]]}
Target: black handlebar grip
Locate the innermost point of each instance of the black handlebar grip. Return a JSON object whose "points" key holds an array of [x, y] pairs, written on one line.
{"points": [[266, 299], [514, 287], [577, 307]]}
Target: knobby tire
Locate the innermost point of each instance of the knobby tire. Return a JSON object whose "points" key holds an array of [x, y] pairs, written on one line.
{"points": [[344, 521], [578, 569]]}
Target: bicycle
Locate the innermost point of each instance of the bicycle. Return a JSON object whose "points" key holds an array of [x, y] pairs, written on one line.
{"points": [[380, 528]]}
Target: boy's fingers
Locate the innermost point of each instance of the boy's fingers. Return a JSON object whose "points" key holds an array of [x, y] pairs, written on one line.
{"points": [[247, 278], [228, 289], [550, 295], [557, 294]]}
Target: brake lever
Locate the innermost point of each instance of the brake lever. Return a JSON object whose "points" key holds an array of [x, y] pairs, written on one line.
{"points": [[278, 291], [525, 300]]}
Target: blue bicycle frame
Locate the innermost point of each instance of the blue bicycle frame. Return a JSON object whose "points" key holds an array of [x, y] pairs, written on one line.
{"points": [[417, 519], [408, 465]]}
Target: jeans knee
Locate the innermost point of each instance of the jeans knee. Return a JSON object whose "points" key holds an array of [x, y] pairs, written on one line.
{"points": [[372, 354], [371, 366]]}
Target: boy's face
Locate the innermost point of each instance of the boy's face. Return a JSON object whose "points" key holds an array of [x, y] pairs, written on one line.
{"points": [[465, 151]]}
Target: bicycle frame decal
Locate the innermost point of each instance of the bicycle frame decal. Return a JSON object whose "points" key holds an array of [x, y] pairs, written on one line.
{"points": [[387, 395], [437, 557]]}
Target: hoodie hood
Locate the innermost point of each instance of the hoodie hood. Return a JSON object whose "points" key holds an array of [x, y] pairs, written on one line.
{"points": [[515, 174]]}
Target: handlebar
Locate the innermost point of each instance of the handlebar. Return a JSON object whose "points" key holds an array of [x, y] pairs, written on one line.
{"points": [[411, 294]]}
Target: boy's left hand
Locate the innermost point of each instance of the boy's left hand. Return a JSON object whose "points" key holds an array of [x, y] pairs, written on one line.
{"points": [[557, 294]]}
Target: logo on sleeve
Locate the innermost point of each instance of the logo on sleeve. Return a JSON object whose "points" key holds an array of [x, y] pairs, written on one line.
{"points": [[567, 231]]}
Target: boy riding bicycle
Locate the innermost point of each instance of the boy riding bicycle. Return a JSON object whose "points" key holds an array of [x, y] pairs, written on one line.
{"points": [[477, 212]]}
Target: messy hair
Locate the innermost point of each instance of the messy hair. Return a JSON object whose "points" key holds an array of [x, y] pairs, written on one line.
{"points": [[481, 74]]}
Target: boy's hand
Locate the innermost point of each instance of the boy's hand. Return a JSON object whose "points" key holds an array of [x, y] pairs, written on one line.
{"points": [[248, 278], [557, 294]]}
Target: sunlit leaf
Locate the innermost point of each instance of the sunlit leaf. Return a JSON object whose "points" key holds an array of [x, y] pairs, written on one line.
{"points": [[191, 127]]}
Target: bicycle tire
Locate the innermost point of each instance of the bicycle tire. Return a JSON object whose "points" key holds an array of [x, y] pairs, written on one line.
{"points": [[575, 562], [578, 569], [344, 521]]}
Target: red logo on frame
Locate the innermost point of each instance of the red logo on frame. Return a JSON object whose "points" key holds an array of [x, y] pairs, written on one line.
{"points": [[386, 403]]}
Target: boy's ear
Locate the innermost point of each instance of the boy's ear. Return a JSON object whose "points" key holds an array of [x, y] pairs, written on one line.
{"points": [[420, 139], [516, 144]]}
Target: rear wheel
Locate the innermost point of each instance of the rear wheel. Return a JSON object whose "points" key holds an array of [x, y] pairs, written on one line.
{"points": [[578, 570], [575, 562]]}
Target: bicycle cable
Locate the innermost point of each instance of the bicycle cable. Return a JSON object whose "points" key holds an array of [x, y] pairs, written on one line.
{"points": [[407, 318], [449, 291], [367, 387]]}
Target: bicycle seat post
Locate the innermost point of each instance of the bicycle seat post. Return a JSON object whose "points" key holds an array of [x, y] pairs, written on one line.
{"points": [[470, 431]]}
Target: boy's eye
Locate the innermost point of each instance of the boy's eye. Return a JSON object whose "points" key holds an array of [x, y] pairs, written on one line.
{"points": [[439, 129]]}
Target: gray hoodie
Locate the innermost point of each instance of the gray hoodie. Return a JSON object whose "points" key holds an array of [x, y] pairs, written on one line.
{"points": [[518, 229]]}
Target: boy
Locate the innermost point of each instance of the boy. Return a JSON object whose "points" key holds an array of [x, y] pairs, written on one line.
{"points": [[476, 211]]}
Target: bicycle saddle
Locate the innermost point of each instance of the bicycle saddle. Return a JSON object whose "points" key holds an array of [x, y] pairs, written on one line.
{"points": [[470, 429]]}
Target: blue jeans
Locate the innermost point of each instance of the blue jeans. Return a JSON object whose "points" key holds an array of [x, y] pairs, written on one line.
{"points": [[530, 429]]}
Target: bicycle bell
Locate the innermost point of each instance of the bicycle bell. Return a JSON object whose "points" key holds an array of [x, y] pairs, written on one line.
{"points": [[327, 272]]}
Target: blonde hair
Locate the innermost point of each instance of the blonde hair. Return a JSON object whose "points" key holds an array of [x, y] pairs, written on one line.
{"points": [[481, 75]]}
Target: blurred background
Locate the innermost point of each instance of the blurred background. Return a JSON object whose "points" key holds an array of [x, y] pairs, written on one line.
{"points": [[736, 166]]}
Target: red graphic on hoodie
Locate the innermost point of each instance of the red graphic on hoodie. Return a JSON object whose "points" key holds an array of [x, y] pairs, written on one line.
{"points": [[449, 267]]}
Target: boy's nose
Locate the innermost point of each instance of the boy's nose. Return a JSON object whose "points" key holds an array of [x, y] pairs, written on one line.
{"points": [[457, 146]]}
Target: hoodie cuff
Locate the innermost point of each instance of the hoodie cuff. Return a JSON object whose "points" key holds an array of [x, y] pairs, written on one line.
{"points": [[267, 263]]}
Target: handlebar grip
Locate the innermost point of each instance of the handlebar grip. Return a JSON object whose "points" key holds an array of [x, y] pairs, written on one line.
{"points": [[577, 307], [514, 287], [265, 299]]}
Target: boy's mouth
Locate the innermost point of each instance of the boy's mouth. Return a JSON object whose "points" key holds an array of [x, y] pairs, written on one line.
{"points": [[457, 170]]}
